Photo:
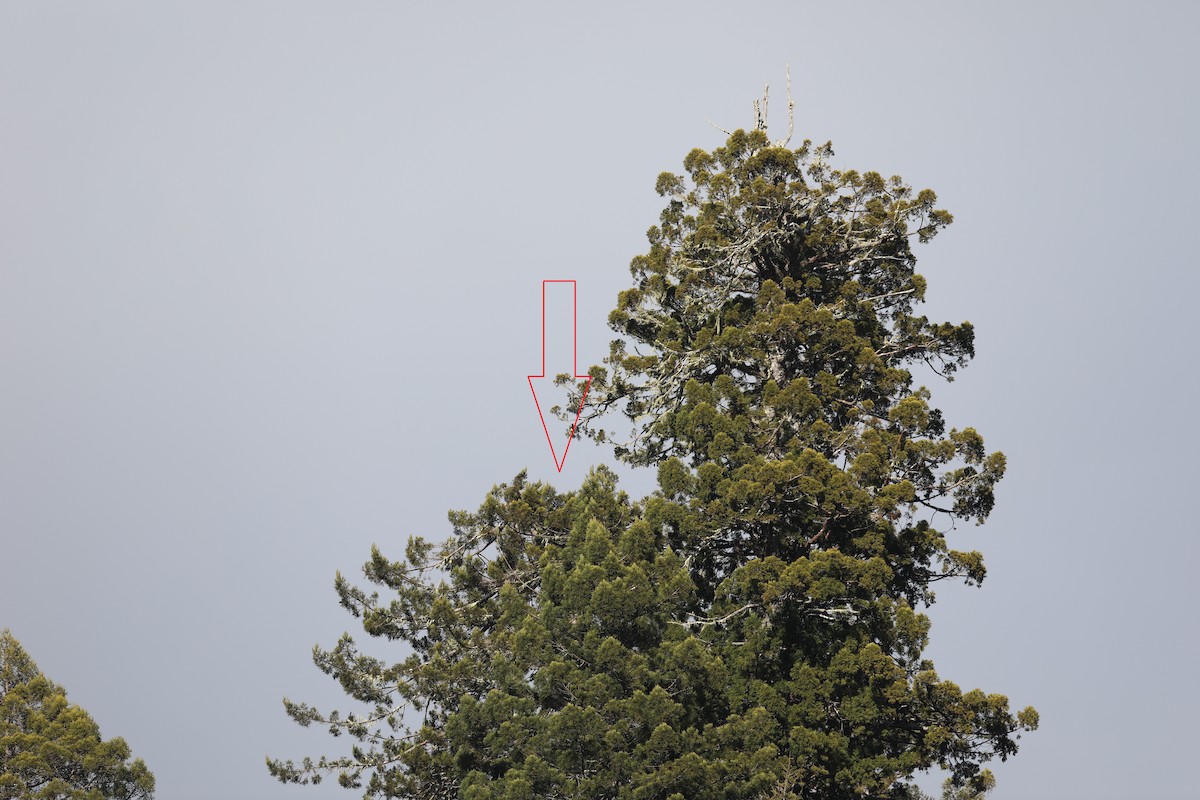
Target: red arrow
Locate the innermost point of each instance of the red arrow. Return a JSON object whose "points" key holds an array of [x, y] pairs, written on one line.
{"points": [[574, 371]]}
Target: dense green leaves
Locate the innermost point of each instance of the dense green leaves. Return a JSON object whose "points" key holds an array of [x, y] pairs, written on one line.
{"points": [[51, 749], [753, 628]]}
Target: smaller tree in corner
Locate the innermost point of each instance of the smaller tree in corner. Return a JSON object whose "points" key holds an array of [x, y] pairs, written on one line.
{"points": [[50, 749]]}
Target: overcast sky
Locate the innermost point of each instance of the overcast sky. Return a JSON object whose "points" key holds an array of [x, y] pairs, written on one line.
{"points": [[270, 288]]}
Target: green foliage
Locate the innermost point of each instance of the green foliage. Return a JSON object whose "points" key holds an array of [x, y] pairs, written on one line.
{"points": [[752, 629], [51, 749]]}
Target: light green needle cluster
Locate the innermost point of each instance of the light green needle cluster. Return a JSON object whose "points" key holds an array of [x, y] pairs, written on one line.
{"points": [[50, 749]]}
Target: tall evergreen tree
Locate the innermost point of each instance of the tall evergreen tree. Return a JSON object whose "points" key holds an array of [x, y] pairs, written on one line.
{"points": [[752, 629], [51, 749]]}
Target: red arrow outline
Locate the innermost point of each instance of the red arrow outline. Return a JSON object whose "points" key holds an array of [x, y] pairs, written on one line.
{"points": [[574, 371]]}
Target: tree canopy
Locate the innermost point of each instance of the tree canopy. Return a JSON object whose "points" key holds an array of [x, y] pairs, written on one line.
{"points": [[51, 749], [753, 628]]}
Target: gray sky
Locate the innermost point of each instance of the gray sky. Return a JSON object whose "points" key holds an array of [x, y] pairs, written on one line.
{"points": [[270, 288]]}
